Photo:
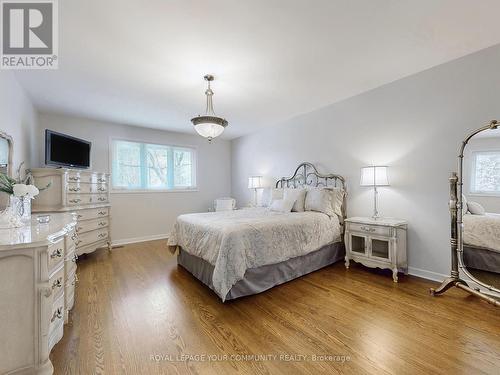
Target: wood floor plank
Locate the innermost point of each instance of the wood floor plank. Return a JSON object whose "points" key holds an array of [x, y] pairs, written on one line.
{"points": [[136, 312]]}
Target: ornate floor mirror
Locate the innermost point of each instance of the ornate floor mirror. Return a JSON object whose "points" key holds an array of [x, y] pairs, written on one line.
{"points": [[475, 217]]}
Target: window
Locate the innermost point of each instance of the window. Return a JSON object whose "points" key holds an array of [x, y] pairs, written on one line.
{"points": [[486, 173], [145, 166]]}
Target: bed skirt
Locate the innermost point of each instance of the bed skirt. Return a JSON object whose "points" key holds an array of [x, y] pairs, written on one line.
{"points": [[482, 259], [257, 280]]}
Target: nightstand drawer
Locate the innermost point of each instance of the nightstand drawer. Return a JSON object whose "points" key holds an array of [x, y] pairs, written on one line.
{"points": [[369, 229]]}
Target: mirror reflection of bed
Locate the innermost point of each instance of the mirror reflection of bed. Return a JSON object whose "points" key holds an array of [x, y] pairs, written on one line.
{"points": [[481, 213]]}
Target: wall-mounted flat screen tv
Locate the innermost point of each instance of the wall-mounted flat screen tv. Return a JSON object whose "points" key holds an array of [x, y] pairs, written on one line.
{"points": [[66, 151]]}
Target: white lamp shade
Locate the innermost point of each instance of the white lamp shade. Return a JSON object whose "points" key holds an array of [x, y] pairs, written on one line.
{"points": [[209, 130], [374, 176], [255, 182]]}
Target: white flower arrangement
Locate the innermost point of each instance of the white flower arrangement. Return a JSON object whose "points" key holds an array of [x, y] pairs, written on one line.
{"points": [[20, 187], [23, 190]]}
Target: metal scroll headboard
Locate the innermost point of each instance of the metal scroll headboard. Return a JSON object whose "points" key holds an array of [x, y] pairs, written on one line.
{"points": [[306, 174]]}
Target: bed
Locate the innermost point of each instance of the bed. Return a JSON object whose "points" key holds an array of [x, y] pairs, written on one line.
{"points": [[481, 236], [244, 252]]}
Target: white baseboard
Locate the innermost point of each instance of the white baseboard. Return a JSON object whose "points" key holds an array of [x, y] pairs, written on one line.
{"points": [[429, 275], [127, 241]]}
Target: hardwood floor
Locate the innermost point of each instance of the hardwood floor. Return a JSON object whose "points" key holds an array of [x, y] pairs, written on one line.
{"points": [[137, 313]]}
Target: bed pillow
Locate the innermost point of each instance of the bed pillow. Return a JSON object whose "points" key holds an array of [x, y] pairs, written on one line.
{"points": [[282, 205], [475, 208], [320, 200], [269, 195], [336, 200], [298, 196]]}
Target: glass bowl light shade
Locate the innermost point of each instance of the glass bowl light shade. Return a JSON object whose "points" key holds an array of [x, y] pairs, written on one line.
{"points": [[209, 126]]}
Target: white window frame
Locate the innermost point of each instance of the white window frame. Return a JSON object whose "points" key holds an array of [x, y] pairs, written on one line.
{"points": [[118, 190], [472, 189]]}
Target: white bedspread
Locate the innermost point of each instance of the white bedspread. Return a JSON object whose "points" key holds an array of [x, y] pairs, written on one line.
{"points": [[482, 231], [234, 241]]}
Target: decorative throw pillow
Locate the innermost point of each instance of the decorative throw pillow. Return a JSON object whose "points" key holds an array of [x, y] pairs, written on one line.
{"points": [[282, 205], [475, 208], [298, 195], [338, 200], [269, 195], [320, 200]]}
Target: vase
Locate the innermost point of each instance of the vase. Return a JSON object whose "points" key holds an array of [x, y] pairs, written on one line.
{"points": [[21, 207]]}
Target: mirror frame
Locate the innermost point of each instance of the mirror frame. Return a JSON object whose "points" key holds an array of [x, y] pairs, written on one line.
{"points": [[457, 248], [11, 151], [460, 244]]}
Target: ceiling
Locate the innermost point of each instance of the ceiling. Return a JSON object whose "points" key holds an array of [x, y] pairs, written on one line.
{"points": [[142, 62]]}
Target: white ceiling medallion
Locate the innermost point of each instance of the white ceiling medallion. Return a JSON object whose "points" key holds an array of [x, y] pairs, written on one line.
{"points": [[209, 126]]}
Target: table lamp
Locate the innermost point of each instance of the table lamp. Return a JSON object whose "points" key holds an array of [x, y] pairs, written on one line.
{"points": [[374, 176]]}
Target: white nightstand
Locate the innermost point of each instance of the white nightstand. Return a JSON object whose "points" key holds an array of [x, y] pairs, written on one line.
{"points": [[377, 243]]}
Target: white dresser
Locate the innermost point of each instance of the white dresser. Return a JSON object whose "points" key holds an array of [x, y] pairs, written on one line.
{"points": [[37, 287], [84, 192]]}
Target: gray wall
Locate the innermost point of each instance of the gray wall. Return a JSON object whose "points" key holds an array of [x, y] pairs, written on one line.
{"points": [[142, 215], [413, 125], [19, 119]]}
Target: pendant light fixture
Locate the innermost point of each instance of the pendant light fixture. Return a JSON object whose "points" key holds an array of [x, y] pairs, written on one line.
{"points": [[209, 126]]}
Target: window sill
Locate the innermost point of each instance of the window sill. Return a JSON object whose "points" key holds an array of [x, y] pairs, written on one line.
{"points": [[492, 195], [154, 191]]}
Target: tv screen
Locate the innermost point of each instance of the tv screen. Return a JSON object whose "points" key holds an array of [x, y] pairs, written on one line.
{"points": [[66, 151]]}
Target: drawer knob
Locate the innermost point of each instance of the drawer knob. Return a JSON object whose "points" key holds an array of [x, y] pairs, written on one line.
{"points": [[56, 254], [102, 223], [101, 189], [75, 258], [79, 216], [57, 283], [74, 178], [78, 229], [75, 200], [78, 242], [101, 199], [57, 315], [100, 179], [102, 213], [74, 189], [102, 235], [74, 237]]}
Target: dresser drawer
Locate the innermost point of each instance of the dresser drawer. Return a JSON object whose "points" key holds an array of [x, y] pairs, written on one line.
{"points": [[99, 188], [78, 188], [82, 199], [89, 225], [56, 282], [87, 188], [56, 324], [55, 254], [86, 177], [100, 198], [92, 213], [57, 315], [369, 229], [91, 237], [79, 199], [70, 265], [70, 240]]}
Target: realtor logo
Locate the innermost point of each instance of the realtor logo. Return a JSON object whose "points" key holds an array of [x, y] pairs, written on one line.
{"points": [[29, 34]]}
